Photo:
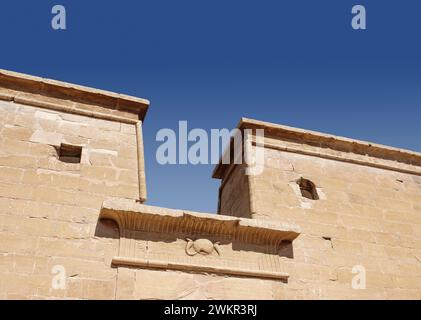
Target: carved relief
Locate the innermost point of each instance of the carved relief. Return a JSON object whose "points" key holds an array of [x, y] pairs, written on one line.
{"points": [[202, 246], [152, 237]]}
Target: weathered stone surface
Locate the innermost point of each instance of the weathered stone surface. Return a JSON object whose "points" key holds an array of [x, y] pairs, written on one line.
{"points": [[77, 230], [48, 208], [366, 213]]}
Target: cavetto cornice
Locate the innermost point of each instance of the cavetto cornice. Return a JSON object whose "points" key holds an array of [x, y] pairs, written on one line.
{"points": [[130, 215], [179, 233], [312, 143], [71, 98]]}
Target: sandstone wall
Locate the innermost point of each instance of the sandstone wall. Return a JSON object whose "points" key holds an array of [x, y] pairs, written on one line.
{"points": [[368, 212], [234, 197], [153, 284], [364, 216], [49, 209], [159, 254]]}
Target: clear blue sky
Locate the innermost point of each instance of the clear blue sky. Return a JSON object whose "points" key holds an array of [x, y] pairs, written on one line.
{"points": [[212, 62]]}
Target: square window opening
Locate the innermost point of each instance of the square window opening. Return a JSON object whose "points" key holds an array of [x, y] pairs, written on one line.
{"points": [[69, 153]]}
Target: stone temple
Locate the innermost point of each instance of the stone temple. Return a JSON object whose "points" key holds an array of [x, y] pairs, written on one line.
{"points": [[328, 218]]}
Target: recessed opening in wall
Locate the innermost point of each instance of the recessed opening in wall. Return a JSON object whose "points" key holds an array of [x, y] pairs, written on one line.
{"points": [[308, 189], [69, 154]]}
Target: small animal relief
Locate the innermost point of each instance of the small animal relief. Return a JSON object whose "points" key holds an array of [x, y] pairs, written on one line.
{"points": [[202, 246]]}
